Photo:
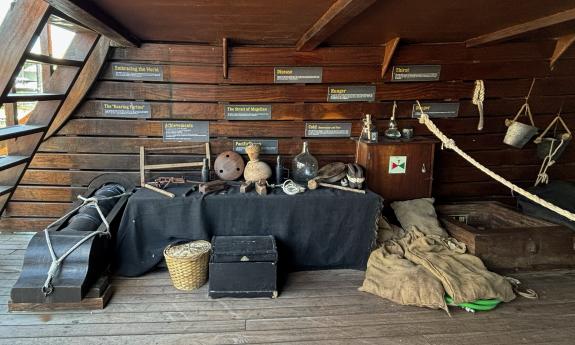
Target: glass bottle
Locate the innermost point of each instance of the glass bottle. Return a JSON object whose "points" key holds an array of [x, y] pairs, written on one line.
{"points": [[304, 166]]}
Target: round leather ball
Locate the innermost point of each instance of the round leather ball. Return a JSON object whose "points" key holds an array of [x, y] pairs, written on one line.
{"points": [[229, 166]]}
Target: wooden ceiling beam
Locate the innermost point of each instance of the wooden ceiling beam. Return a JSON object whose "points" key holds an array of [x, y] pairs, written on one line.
{"points": [[86, 13], [519, 29], [390, 47], [339, 14], [563, 43]]}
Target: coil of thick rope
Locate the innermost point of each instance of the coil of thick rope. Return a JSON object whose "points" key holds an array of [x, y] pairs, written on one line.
{"points": [[48, 288], [478, 98], [450, 144]]}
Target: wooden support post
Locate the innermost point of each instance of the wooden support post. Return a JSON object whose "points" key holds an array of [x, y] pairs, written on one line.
{"points": [[519, 29], [563, 43], [339, 14], [390, 47], [142, 165], [225, 57]]}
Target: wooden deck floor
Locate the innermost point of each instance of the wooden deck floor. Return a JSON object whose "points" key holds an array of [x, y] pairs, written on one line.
{"points": [[321, 307]]}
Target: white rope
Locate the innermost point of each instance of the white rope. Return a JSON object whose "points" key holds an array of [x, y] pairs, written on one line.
{"points": [[289, 187], [48, 288], [450, 144], [478, 98], [548, 161]]}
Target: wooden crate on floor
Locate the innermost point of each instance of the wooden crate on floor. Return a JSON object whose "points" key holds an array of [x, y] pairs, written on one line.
{"points": [[506, 239]]}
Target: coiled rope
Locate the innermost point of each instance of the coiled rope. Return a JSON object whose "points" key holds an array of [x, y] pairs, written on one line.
{"points": [[48, 288], [478, 98], [450, 144]]}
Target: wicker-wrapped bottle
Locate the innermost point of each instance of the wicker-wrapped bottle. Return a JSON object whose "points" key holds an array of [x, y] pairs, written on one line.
{"points": [[304, 166]]}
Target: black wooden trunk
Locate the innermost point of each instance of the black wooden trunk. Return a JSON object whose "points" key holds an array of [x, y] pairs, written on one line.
{"points": [[243, 266]]}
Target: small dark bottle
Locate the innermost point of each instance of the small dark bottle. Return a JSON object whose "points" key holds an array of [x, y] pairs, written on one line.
{"points": [[205, 171], [279, 170]]}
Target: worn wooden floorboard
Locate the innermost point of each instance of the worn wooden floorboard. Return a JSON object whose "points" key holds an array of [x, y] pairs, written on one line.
{"points": [[319, 307]]}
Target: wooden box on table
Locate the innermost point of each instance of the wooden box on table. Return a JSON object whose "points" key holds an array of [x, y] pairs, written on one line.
{"points": [[506, 239], [243, 266]]}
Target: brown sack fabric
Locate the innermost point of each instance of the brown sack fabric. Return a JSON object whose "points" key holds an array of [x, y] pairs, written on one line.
{"points": [[419, 213], [463, 276], [391, 276]]}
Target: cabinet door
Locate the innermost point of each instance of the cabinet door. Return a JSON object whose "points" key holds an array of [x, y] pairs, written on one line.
{"points": [[404, 171]]}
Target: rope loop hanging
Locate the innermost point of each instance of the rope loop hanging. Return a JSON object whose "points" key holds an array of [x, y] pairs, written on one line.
{"points": [[478, 98]]}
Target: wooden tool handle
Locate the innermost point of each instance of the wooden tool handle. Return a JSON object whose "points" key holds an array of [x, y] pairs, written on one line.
{"points": [[347, 189], [158, 190]]}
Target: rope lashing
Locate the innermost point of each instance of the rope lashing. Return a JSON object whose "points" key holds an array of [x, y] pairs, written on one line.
{"points": [[450, 144], [478, 98], [48, 288], [548, 161]]}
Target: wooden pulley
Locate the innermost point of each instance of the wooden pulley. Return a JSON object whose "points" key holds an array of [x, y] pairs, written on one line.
{"points": [[229, 166], [329, 173]]}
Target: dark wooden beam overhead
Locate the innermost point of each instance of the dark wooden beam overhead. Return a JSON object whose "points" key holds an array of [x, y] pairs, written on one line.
{"points": [[339, 14], [390, 48], [563, 43], [519, 29], [94, 18]]}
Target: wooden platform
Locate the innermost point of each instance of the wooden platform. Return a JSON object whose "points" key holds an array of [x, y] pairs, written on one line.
{"points": [[321, 307]]}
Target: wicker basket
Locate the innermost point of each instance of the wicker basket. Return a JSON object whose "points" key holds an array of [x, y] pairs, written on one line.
{"points": [[188, 264]]}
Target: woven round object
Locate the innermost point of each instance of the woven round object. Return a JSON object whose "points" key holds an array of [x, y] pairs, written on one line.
{"points": [[188, 264], [229, 166]]}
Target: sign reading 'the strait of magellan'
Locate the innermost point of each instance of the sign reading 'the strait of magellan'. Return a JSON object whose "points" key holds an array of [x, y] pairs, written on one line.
{"points": [[131, 71], [248, 111], [287, 75], [450, 109], [327, 129], [127, 109], [351, 93], [268, 146], [198, 131], [416, 73]]}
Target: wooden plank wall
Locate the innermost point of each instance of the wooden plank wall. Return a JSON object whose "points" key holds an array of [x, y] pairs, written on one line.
{"points": [[193, 89]]}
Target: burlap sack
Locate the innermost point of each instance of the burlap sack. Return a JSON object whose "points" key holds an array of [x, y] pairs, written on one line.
{"points": [[391, 276], [387, 231], [419, 213], [464, 277]]}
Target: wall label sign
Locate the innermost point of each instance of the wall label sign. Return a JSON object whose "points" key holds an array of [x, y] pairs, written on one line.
{"points": [[290, 75], [436, 110], [268, 146], [197, 131], [397, 164], [248, 111], [351, 93], [328, 129], [130, 71], [127, 109], [416, 73]]}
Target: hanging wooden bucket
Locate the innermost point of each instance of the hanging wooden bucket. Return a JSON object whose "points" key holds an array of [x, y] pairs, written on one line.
{"points": [[518, 133]]}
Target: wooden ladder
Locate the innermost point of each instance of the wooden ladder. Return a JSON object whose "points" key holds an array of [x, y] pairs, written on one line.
{"points": [[24, 24]]}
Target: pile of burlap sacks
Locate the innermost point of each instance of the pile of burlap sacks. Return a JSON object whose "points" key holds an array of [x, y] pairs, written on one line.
{"points": [[418, 263]]}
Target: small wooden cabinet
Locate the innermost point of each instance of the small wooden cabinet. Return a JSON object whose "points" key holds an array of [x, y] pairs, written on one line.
{"points": [[398, 170]]}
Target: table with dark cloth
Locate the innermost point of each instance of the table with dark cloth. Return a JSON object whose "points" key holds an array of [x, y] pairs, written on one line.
{"points": [[318, 229]]}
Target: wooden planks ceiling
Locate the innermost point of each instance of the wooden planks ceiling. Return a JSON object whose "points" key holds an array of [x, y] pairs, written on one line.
{"points": [[275, 22], [193, 88]]}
